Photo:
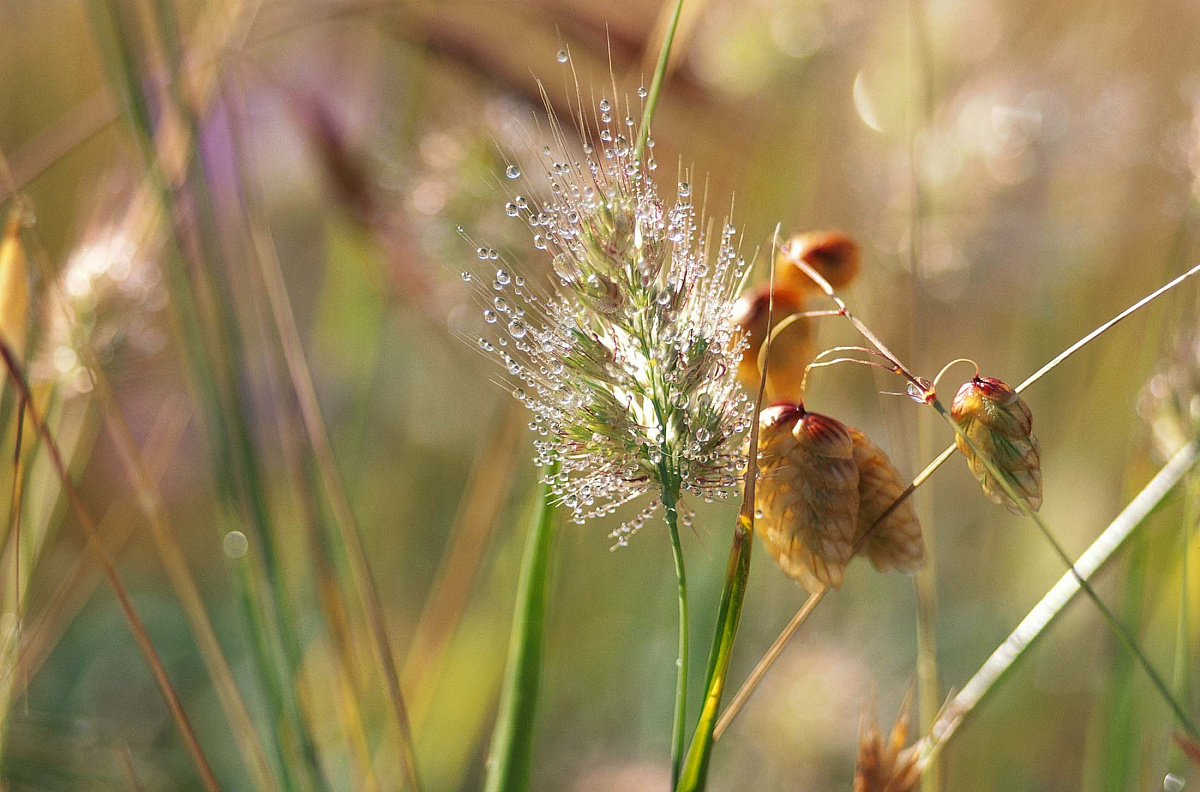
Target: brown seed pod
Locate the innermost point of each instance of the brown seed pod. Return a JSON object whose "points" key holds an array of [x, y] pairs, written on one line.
{"points": [[806, 499], [999, 423], [833, 254], [792, 349], [886, 765], [896, 542]]}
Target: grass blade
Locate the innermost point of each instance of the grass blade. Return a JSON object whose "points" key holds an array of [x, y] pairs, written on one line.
{"points": [[510, 758], [136, 626], [1052, 604], [1118, 627]]}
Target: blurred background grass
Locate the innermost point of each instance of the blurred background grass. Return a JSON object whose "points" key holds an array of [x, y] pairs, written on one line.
{"points": [[1040, 157]]}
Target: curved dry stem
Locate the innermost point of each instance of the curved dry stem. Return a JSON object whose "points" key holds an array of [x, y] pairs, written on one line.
{"points": [[772, 654]]}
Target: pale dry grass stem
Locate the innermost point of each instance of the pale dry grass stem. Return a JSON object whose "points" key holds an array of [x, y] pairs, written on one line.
{"points": [[487, 490], [349, 533], [149, 502], [137, 627], [70, 596], [1052, 604]]}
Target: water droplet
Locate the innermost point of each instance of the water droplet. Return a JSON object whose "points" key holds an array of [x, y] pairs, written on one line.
{"points": [[489, 316], [604, 106], [915, 393], [466, 276], [482, 253], [642, 92], [517, 328], [234, 544], [685, 189], [562, 56], [1173, 783], [511, 209], [512, 172], [703, 435], [502, 277]]}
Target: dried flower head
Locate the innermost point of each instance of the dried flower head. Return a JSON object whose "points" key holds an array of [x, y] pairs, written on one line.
{"points": [[833, 254], [999, 423], [630, 365], [886, 765], [791, 350], [806, 499], [896, 542]]}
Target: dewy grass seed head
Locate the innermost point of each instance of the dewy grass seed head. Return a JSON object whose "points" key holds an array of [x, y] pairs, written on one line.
{"points": [[629, 365]]}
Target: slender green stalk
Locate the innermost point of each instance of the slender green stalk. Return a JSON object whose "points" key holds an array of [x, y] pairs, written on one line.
{"points": [[510, 758], [920, 74], [997, 666], [660, 71], [211, 341], [1118, 628], [694, 774], [348, 533], [1182, 677], [670, 497], [1120, 746]]}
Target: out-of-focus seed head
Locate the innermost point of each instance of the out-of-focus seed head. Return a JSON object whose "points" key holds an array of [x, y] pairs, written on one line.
{"points": [[629, 362], [833, 254], [885, 765], [999, 423], [896, 542], [109, 301], [806, 498], [791, 350], [1170, 401]]}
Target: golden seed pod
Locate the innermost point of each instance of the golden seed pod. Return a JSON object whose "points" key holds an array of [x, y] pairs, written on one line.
{"points": [[886, 765], [792, 350], [999, 423], [896, 542], [14, 287], [833, 254], [806, 498]]}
